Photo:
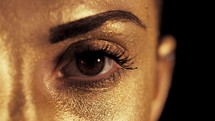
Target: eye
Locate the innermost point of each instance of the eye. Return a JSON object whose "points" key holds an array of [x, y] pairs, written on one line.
{"points": [[89, 64]]}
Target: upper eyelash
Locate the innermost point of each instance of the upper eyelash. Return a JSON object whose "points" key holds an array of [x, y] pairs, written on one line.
{"points": [[125, 62], [118, 55]]}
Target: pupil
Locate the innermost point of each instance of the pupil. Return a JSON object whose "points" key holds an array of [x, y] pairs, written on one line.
{"points": [[90, 63]]}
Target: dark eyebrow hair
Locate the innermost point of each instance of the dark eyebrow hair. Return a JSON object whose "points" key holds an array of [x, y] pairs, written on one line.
{"points": [[84, 25]]}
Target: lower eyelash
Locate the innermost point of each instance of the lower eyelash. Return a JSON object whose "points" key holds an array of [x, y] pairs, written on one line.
{"points": [[94, 85]]}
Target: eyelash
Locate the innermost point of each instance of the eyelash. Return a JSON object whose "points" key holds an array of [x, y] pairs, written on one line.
{"points": [[118, 55], [125, 62]]}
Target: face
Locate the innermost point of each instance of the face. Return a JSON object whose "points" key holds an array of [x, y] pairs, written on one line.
{"points": [[82, 60]]}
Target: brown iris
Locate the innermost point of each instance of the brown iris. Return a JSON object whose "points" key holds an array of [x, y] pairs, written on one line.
{"points": [[90, 63]]}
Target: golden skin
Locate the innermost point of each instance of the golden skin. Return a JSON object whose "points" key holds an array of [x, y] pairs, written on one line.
{"points": [[29, 87]]}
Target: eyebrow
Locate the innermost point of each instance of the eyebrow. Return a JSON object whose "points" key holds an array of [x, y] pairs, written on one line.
{"points": [[84, 25]]}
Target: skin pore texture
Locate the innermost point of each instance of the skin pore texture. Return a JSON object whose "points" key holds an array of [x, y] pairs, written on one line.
{"points": [[32, 87]]}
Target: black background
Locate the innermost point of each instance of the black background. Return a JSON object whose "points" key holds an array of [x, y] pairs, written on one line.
{"points": [[180, 20]]}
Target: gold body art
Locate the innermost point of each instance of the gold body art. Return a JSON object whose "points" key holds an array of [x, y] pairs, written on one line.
{"points": [[48, 49]]}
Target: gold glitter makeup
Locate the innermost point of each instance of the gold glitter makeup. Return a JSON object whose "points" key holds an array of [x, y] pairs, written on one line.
{"points": [[80, 60]]}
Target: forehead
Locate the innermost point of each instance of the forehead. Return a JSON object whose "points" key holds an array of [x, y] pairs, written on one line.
{"points": [[104, 3], [75, 8]]}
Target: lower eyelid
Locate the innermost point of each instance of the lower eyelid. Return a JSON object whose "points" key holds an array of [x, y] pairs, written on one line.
{"points": [[91, 78], [106, 81]]}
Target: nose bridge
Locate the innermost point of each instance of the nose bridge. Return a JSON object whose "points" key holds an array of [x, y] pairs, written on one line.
{"points": [[15, 91], [12, 96], [6, 83], [18, 100]]}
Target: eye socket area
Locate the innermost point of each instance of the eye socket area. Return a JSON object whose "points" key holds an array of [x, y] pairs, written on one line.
{"points": [[92, 64], [89, 65]]}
